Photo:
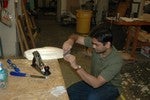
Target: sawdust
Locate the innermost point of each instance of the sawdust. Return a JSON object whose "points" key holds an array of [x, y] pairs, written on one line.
{"points": [[136, 80]]}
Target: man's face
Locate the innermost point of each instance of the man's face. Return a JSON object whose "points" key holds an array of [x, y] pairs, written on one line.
{"points": [[98, 46]]}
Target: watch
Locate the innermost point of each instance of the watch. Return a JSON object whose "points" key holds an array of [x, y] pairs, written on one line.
{"points": [[79, 67]]}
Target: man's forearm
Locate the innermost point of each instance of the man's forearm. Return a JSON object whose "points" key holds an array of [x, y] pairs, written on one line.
{"points": [[89, 79], [69, 43], [73, 38], [76, 39]]}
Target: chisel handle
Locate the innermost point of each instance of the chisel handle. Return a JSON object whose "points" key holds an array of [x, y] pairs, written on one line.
{"points": [[13, 73]]}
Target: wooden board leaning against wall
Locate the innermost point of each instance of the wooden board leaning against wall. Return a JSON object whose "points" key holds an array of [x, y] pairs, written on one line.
{"points": [[26, 27]]}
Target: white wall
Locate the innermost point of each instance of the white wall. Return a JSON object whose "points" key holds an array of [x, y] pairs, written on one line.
{"points": [[8, 34], [63, 6], [102, 5]]}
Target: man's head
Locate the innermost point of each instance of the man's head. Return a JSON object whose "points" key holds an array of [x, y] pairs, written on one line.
{"points": [[101, 38]]}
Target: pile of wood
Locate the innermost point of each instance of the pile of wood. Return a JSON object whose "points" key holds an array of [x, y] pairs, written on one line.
{"points": [[27, 30]]}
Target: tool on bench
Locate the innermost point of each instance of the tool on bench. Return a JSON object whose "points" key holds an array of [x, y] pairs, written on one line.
{"points": [[66, 53], [16, 71], [13, 66], [39, 65], [13, 73]]}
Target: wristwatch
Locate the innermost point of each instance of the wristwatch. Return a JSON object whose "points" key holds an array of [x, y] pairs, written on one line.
{"points": [[79, 67]]}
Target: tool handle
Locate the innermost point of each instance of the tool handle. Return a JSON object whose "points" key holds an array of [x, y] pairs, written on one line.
{"points": [[13, 73], [13, 65]]}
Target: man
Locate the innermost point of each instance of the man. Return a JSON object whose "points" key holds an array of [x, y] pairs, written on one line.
{"points": [[104, 82]]}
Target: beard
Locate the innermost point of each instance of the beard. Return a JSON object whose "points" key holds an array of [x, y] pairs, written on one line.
{"points": [[100, 51]]}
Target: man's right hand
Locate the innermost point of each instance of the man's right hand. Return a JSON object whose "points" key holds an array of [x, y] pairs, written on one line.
{"points": [[74, 38], [72, 60], [67, 46]]}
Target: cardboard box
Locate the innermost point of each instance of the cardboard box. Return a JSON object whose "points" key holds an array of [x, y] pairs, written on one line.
{"points": [[145, 50]]}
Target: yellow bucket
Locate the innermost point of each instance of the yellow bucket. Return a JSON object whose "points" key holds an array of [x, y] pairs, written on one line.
{"points": [[83, 21]]}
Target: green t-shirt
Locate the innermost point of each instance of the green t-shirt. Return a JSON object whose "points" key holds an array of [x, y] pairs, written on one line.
{"points": [[108, 67]]}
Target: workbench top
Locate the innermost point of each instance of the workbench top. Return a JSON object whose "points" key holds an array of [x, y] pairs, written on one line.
{"points": [[28, 88]]}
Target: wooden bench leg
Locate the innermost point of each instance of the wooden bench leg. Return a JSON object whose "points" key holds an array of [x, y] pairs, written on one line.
{"points": [[128, 40], [135, 41]]}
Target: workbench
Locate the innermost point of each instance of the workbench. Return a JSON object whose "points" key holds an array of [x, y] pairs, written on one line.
{"points": [[28, 88]]}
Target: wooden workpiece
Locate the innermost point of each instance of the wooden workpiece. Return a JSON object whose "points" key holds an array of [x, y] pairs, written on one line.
{"points": [[27, 88]]}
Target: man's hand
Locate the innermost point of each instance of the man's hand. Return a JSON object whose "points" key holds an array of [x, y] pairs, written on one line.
{"points": [[67, 46], [72, 60]]}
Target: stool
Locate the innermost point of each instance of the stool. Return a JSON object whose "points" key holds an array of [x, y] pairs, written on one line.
{"points": [[137, 38]]}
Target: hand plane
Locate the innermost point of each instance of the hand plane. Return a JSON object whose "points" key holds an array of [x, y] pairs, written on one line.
{"points": [[39, 65]]}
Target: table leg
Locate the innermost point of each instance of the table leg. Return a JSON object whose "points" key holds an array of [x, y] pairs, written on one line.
{"points": [[128, 40], [135, 42]]}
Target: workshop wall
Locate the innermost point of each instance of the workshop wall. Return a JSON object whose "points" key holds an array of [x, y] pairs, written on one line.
{"points": [[73, 5], [102, 6], [8, 34]]}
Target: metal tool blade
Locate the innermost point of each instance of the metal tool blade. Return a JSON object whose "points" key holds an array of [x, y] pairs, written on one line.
{"points": [[66, 53], [37, 76]]}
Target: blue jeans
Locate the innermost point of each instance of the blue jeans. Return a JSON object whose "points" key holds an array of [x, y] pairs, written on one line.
{"points": [[83, 91]]}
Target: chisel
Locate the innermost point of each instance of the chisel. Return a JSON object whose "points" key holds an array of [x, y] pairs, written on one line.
{"points": [[19, 74], [66, 53]]}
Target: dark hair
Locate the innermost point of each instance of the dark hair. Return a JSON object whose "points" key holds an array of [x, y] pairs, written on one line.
{"points": [[102, 33]]}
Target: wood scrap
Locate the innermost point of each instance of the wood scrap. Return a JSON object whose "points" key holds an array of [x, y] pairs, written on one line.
{"points": [[28, 23], [22, 34], [46, 53]]}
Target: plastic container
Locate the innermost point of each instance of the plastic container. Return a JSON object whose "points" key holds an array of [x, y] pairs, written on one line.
{"points": [[83, 21], [3, 77]]}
